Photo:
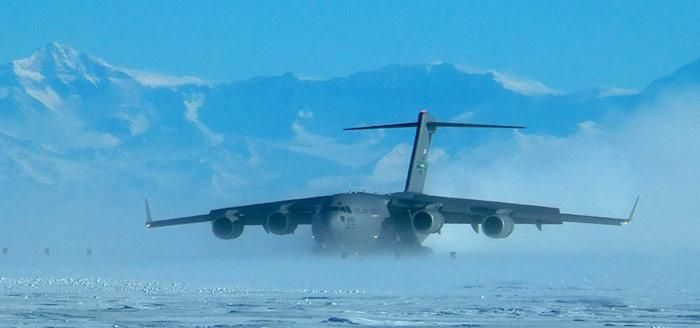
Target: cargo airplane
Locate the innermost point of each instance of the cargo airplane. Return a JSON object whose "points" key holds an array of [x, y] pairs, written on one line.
{"points": [[360, 222]]}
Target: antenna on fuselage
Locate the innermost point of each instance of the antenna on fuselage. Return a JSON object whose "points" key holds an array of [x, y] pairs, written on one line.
{"points": [[425, 126]]}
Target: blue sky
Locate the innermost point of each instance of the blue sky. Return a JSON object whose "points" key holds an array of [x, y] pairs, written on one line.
{"points": [[565, 44]]}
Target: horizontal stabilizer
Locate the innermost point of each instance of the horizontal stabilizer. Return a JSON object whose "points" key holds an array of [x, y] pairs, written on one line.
{"points": [[471, 125], [385, 126], [433, 125], [425, 126]]}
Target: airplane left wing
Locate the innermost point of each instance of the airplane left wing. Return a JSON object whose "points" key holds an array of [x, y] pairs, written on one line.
{"points": [[302, 209], [473, 211]]}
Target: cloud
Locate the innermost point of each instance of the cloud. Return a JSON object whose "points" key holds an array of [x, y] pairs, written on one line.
{"points": [[512, 83], [521, 85], [254, 157], [598, 170], [108, 140], [305, 114], [611, 92], [157, 80], [192, 105], [64, 129], [387, 175], [392, 167], [465, 117], [138, 123], [41, 164], [225, 181], [309, 143]]}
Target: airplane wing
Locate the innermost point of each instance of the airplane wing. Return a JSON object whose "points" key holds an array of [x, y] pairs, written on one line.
{"points": [[255, 214], [473, 211]]}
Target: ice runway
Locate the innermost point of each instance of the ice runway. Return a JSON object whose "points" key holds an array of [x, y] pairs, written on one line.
{"points": [[289, 293], [95, 302]]}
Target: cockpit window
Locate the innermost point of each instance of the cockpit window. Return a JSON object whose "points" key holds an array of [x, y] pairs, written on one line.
{"points": [[345, 209]]}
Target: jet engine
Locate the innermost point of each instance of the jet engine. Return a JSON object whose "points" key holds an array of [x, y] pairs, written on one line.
{"points": [[225, 228], [498, 226], [280, 223], [427, 221]]}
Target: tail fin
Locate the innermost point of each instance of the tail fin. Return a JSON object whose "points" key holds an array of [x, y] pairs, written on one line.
{"points": [[425, 127]]}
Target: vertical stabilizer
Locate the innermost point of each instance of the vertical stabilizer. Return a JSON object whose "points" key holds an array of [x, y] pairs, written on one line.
{"points": [[418, 168]]}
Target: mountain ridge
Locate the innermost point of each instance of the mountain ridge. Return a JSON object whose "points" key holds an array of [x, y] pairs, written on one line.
{"points": [[70, 101]]}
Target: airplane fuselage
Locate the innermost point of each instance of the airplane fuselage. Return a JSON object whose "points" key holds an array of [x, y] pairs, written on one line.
{"points": [[362, 221]]}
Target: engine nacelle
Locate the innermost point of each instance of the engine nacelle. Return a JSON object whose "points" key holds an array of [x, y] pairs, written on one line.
{"points": [[498, 226], [280, 223], [427, 221], [225, 228]]}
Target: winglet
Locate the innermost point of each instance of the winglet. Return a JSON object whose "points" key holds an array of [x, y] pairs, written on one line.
{"points": [[634, 208], [149, 219]]}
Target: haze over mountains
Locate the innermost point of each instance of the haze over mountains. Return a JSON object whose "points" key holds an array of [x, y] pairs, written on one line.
{"points": [[82, 142]]}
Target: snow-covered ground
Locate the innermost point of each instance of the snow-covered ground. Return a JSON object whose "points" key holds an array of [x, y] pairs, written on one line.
{"points": [[283, 292]]}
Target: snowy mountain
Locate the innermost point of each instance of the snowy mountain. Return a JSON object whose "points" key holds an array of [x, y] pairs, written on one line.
{"points": [[68, 99], [82, 108], [73, 126]]}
